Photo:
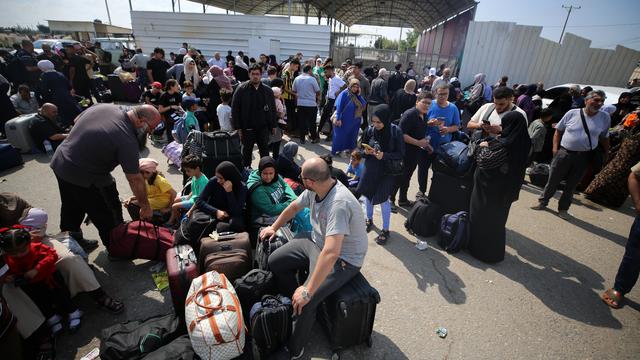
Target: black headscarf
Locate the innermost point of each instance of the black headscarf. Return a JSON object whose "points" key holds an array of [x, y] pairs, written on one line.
{"points": [[230, 172], [268, 162], [383, 112]]}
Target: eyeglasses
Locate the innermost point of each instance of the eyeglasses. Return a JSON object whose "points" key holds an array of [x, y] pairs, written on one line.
{"points": [[306, 178], [442, 94]]}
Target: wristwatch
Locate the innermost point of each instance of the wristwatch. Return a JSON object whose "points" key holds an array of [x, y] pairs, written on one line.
{"points": [[305, 294]]}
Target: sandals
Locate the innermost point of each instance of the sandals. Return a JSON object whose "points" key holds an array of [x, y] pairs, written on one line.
{"points": [[369, 224], [110, 304], [383, 237], [612, 298], [54, 325], [74, 320]]}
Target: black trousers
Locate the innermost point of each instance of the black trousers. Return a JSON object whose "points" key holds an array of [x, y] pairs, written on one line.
{"points": [[292, 120], [327, 111], [251, 137], [420, 159], [102, 204], [307, 121], [49, 299], [629, 269]]}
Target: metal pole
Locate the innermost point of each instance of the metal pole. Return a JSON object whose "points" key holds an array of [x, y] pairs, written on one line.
{"points": [[179, 8], [108, 13], [204, 10], [571, 7], [289, 10], [173, 5], [130, 7]]}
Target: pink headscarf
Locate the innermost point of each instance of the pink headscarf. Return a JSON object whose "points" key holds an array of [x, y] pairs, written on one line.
{"points": [[219, 76], [148, 164]]}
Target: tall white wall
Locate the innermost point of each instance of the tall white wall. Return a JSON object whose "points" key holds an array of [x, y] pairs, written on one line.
{"points": [[220, 32], [502, 48]]}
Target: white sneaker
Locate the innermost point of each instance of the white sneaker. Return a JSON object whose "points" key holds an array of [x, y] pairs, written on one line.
{"points": [[422, 245]]}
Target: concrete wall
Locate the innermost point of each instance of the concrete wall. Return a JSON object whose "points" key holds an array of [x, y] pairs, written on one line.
{"points": [[501, 48], [219, 32]]}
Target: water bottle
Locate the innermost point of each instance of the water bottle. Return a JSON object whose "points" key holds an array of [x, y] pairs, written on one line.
{"points": [[47, 146]]}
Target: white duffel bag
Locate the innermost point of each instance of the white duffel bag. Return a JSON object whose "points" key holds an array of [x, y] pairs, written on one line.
{"points": [[214, 318]]}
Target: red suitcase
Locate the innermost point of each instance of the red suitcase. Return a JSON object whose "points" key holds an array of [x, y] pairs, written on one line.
{"points": [[182, 268], [140, 240], [224, 242]]}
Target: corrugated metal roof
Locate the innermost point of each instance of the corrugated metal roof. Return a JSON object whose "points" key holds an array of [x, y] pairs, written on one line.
{"points": [[417, 14]]}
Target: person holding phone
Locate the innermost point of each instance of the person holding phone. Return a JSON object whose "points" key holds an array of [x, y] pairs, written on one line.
{"points": [[489, 116]]}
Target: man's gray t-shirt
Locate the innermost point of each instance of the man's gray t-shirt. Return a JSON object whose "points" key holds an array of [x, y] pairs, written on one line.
{"points": [[574, 138], [306, 88], [339, 213], [102, 138]]}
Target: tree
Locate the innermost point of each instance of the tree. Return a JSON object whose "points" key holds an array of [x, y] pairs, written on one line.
{"points": [[384, 43], [411, 42]]}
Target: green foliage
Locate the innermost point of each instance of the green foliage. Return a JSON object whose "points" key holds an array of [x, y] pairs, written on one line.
{"points": [[408, 44], [386, 44]]}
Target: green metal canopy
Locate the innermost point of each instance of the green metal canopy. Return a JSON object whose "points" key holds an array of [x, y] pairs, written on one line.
{"points": [[417, 14]]}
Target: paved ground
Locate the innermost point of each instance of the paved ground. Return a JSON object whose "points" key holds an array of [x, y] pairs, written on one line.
{"points": [[541, 302]]}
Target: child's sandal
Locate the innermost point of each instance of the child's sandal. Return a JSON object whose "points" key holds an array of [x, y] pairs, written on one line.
{"points": [[74, 320], [54, 325]]}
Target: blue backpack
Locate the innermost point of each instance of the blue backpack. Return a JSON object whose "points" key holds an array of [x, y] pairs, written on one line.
{"points": [[454, 232], [455, 156]]}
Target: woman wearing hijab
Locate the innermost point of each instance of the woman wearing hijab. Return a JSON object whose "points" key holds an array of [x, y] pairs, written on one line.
{"points": [[55, 89], [224, 198], [386, 143], [496, 186], [349, 108], [286, 163], [480, 94], [190, 73], [240, 69], [403, 100], [525, 101], [269, 194]]}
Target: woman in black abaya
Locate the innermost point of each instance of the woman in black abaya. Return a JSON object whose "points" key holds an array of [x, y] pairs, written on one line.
{"points": [[495, 189]]}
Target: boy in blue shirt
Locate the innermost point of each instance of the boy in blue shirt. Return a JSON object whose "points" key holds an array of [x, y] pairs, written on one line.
{"points": [[444, 118]]}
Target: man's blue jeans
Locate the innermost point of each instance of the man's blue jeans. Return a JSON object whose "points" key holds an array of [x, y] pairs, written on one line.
{"points": [[630, 265]]}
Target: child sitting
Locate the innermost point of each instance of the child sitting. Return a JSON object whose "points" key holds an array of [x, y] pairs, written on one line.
{"points": [[224, 111], [32, 268], [355, 168], [192, 165], [159, 192]]}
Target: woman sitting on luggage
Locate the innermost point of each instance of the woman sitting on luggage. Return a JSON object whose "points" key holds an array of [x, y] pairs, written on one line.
{"points": [[382, 142], [159, 192], [223, 198], [269, 193]]}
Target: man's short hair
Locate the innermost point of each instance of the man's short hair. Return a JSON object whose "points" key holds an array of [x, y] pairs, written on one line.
{"points": [[593, 93], [295, 62], [158, 51], [328, 67], [26, 42], [192, 161], [255, 67], [546, 112], [272, 70], [240, 53], [359, 65], [424, 95], [225, 95], [398, 67], [442, 86], [97, 43], [318, 173], [504, 78], [138, 51], [307, 68], [503, 92]]}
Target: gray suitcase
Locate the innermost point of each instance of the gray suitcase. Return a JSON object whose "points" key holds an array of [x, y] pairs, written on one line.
{"points": [[18, 134]]}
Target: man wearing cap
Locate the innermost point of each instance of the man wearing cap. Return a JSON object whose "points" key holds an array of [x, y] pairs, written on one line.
{"points": [[83, 164], [152, 97]]}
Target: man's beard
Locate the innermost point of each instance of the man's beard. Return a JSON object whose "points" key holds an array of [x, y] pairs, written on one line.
{"points": [[141, 137]]}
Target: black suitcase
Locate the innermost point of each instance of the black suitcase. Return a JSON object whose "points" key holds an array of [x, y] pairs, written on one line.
{"points": [[452, 193], [424, 218], [264, 248], [347, 315], [219, 146], [252, 287], [271, 323]]}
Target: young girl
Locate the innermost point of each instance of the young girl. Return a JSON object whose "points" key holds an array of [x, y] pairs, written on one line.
{"points": [[355, 168], [188, 91], [159, 192], [276, 138], [32, 268]]}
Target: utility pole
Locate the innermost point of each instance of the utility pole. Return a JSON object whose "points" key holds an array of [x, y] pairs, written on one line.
{"points": [[130, 6], [571, 7], [108, 13]]}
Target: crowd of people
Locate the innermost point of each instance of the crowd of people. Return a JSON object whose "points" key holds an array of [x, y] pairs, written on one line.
{"points": [[387, 123]]}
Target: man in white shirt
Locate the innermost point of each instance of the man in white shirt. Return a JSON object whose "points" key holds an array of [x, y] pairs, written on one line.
{"points": [[336, 85], [139, 62], [444, 79], [217, 60], [307, 92], [489, 116]]}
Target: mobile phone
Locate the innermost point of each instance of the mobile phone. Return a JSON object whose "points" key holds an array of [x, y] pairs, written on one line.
{"points": [[367, 147], [486, 122]]}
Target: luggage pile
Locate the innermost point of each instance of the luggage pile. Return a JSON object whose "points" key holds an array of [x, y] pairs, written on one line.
{"points": [[226, 302], [214, 148]]}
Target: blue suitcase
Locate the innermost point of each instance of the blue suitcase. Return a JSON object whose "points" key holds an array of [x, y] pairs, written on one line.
{"points": [[9, 157]]}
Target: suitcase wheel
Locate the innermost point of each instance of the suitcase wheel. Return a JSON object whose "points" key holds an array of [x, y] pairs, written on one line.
{"points": [[369, 341]]}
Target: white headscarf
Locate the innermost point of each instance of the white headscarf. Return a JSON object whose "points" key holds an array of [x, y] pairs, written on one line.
{"points": [[46, 66], [191, 75], [240, 62]]}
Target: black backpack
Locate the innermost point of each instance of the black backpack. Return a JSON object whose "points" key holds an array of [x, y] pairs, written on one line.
{"points": [[424, 218], [252, 287], [264, 248], [134, 339], [271, 323]]}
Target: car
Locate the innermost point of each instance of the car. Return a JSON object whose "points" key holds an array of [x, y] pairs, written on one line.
{"points": [[612, 93], [56, 44], [114, 46]]}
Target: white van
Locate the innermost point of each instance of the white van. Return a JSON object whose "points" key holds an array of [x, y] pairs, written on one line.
{"points": [[114, 46]]}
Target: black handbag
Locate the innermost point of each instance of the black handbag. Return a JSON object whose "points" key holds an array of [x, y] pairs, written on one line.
{"points": [[491, 157], [393, 167]]}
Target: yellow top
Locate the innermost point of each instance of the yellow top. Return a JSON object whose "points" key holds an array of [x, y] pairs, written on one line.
{"points": [[158, 193]]}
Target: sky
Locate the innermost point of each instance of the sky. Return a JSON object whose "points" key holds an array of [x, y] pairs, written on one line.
{"points": [[606, 23]]}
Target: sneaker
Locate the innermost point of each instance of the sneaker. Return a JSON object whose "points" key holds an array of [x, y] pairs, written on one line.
{"points": [[538, 206], [394, 208], [369, 224], [87, 244], [54, 325], [564, 215], [422, 245], [405, 203]]}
